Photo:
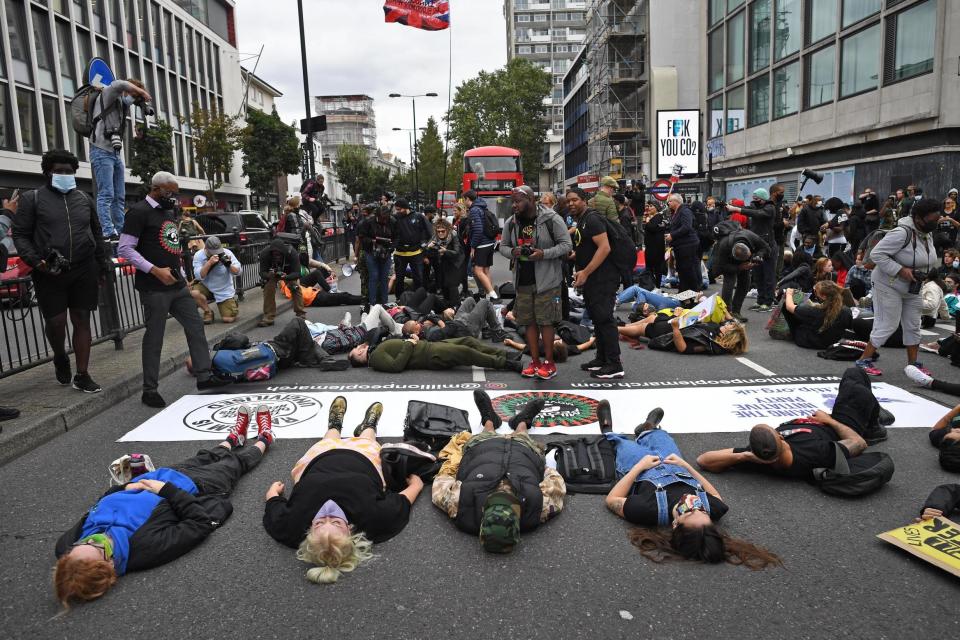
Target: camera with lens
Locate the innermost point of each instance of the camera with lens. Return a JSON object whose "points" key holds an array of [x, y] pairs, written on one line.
{"points": [[225, 260], [917, 284], [145, 107], [56, 262], [526, 251], [116, 142]]}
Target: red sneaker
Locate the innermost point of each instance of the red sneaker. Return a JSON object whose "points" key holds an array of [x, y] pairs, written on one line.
{"points": [[546, 371], [531, 370], [237, 436], [264, 424]]}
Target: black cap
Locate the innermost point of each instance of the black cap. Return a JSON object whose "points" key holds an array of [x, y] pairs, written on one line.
{"points": [[401, 203]]}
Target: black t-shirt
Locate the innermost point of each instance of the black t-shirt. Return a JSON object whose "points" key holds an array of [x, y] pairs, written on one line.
{"points": [[806, 331], [589, 225], [811, 450], [525, 268], [641, 505], [158, 240]]}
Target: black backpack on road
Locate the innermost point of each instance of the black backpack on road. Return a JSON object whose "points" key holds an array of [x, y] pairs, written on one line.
{"points": [[855, 477], [587, 464]]}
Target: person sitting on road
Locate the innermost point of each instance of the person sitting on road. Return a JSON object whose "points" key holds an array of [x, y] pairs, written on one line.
{"points": [[339, 505], [675, 507], [817, 325], [796, 448], [395, 356], [945, 436], [469, 320], [375, 326], [498, 486], [158, 516], [711, 338], [941, 503], [214, 269]]}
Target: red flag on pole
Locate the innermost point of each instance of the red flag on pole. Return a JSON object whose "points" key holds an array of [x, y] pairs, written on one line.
{"points": [[429, 15]]}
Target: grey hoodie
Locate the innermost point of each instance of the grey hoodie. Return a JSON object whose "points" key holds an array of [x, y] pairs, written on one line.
{"points": [[551, 236], [903, 246]]}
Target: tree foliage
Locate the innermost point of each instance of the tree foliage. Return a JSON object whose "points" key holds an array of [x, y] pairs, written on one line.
{"points": [[430, 161], [216, 137], [504, 108], [152, 151], [353, 168], [270, 149]]}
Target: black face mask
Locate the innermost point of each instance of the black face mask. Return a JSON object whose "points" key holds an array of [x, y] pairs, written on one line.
{"points": [[925, 225]]}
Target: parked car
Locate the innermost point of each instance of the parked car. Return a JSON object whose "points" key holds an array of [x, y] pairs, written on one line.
{"points": [[250, 225]]}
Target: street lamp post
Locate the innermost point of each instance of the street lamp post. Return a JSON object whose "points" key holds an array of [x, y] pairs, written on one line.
{"points": [[416, 164], [306, 92], [409, 138]]}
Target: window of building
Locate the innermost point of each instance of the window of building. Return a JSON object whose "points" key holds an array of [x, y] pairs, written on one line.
{"points": [[200, 69], [186, 106], [3, 63], [562, 48], [912, 52], [215, 50], [171, 54], [523, 17], [144, 31], [80, 11], [84, 51], [524, 49], [715, 111], [116, 20], [6, 122], [29, 127], [99, 16], [735, 111], [52, 124], [61, 6], [160, 97], [181, 54], [540, 17], [820, 80], [758, 96], [44, 51], [131, 29], [155, 33], [120, 63], [860, 61], [541, 48], [733, 4], [821, 19], [759, 35], [561, 16], [786, 90], [717, 10], [176, 111], [17, 31], [786, 34], [857, 10], [715, 62], [103, 51], [735, 40]]}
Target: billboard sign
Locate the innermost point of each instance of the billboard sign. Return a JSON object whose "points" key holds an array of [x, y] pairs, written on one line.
{"points": [[678, 142]]}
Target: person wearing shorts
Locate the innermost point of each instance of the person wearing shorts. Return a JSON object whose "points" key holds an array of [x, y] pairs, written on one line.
{"points": [[536, 239], [215, 268], [482, 244]]}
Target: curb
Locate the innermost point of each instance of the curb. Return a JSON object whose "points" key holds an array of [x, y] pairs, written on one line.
{"points": [[87, 406]]}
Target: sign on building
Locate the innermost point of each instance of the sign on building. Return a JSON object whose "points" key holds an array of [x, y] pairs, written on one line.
{"points": [[678, 141]]}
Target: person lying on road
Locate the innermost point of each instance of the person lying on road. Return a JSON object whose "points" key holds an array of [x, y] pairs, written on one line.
{"points": [[394, 356], [941, 503]]}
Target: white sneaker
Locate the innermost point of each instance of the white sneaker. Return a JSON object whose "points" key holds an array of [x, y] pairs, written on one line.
{"points": [[752, 293], [919, 377], [347, 319], [493, 295]]}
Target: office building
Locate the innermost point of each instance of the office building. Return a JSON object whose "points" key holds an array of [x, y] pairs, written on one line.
{"points": [[350, 120], [863, 91], [185, 52]]}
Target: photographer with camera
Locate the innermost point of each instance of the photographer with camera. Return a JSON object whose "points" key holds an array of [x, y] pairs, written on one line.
{"points": [[280, 261], [903, 257], [736, 253], [110, 111], [446, 256], [764, 214], [214, 268], [56, 231], [377, 234]]}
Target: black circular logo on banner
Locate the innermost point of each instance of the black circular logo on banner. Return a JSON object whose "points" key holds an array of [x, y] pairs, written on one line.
{"points": [[286, 409], [560, 410]]}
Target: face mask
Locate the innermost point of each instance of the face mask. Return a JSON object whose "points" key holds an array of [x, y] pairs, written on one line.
{"points": [[809, 250], [331, 509], [925, 225], [956, 263], [63, 183], [168, 200], [689, 502]]}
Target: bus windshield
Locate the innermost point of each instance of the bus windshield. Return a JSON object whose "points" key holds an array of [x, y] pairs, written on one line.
{"points": [[491, 164]]}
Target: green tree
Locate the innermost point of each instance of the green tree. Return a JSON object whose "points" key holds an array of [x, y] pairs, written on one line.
{"points": [[431, 160], [152, 152], [270, 149], [503, 108], [353, 168], [378, 181], [216, 137]]}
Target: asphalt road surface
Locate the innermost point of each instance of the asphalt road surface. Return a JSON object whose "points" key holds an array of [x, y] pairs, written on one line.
{"points": [[575, 577]]}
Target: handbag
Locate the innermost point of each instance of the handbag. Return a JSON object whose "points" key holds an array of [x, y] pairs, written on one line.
{"points": [[433, 424]]}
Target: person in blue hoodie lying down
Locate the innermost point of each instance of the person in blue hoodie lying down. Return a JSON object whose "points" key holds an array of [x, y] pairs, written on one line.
{"points": [[159, 516]]}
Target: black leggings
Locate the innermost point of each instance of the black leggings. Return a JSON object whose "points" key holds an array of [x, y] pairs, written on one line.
{"points": [[856, 406], [217, 470]]}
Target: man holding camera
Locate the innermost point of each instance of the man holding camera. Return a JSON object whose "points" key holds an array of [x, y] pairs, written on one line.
{"points": [[109, 111], [280, 261], [56, 231], [151, 242], [734, 255], [763, 214], [214, 268]]}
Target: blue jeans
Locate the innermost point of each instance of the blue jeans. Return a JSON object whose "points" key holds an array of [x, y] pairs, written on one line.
{"points": [[378, 274], [640, 296], [111, 189]]}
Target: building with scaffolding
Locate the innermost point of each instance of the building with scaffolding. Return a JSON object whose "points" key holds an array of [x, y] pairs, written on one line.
{"points": [[350, 120], [639, 56]]}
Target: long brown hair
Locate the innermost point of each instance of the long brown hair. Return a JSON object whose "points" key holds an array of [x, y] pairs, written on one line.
{"points": [[734, 341], [831, 296], [819, 269], [702, 544]]}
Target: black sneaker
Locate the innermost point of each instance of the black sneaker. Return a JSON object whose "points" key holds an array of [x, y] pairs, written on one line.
{"points": [[608, 372], [652, 421], [62, 368], [485, 406], [527, 413], [213, 382], [594, 365], [885, 418], [83, 382], [153, 399], [9, 413], [875, 435], [604, 416], [370, 419]]}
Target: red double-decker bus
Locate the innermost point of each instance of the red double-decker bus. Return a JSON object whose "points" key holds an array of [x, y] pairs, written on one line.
{"points": [[493, 172]]}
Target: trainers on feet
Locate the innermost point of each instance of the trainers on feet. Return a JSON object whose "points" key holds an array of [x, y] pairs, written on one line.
{"points": [[875, 434], [763, 308], [208, 317], [930, 347], [347, 319], [213, 382], [869, 367], [338, 409], [919, 365], [604, 416], [531, 370], [62, 368], [9, 413], [593, 365], [608, 372], [919, 377], [885, 418], [264, 425], [237, 436], [546, 371], [753, 307], [370, 419], [83, 382], [485, 407], [527, 413], [652, 421]]}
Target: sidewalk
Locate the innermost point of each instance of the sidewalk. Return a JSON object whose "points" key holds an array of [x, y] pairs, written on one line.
{"points": [[48, 409]]}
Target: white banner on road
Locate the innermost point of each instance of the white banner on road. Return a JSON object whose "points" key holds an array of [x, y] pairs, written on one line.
{"points": [[700, 410]]}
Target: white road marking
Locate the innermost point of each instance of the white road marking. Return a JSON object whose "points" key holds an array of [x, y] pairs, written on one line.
{"points": [[945, 327], [479, 375], [753, 365], [924, 332]]}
